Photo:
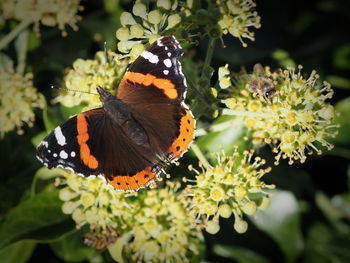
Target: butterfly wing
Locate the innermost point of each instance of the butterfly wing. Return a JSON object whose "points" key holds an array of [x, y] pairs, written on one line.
{"points": [[154, 87], [91, 143]]}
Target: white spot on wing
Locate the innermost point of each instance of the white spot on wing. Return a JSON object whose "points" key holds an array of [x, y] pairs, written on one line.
{"points": [[72, 154], [55, 155], [44, 143], [63, 155], [166, 72], [61, 140], [167, 63], [150, 56], [169, 54]]}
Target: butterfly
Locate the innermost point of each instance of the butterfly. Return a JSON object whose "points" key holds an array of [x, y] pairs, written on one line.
{"points": [[144, 126]]}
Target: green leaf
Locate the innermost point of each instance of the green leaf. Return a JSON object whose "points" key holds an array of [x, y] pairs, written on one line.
{"points": [[239, 254], [19, 252], [70, 248], [43, 174], [39, 218], [338, 82], [343, 107], [38, 138], [223, 134], [282, 222]]}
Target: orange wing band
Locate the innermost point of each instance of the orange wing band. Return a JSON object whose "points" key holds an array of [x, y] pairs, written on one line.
{"points": [[186, 136], [133, 182], [164, 84], [88, 159]]}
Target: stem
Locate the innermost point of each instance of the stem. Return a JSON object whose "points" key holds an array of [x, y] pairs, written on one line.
{"points": [[209, 55], [18, 29], [22, 47], [197, 151], [245, 113]]}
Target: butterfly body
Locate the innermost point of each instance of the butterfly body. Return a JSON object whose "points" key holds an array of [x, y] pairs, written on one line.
{"points": [[145, 124]]}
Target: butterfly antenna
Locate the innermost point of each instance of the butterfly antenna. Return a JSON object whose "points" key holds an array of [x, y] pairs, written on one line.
{"points": [[73, 90]]}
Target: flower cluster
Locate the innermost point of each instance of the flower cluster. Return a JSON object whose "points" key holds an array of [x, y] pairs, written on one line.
{"points": [[154, 220], [18, 100], [238, 17], [286, 110], [87, 75], [232, 186], [144, 26], [47, 12]]}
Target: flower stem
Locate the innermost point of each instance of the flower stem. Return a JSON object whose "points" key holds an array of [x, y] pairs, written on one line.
{"points": [[200, 156], [209, 55], [18, 29]]}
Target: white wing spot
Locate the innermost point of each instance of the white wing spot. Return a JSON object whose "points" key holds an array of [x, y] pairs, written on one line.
{"points": [[61, 140], [44, 143], [63, 155], [166, 72], [55, 155], [185, 82], [72, 154], [150, 57], [167, 63], [169, 54]]}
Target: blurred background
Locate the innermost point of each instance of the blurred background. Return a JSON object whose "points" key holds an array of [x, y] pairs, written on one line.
{"points": [[314, 34]]}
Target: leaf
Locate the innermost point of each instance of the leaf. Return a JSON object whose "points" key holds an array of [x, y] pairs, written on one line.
{"points": [[19, 252], [38, 138], [223, 134], [39, 218], [116, 249], [239, 254], [43, 174], [282, 222], [343, 107], [71, 248], [338, 82]]}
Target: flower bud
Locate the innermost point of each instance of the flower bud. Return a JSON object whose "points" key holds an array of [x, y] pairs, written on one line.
{"points": [[136, 31], [139, 9], [212, 227], [173, 20], [166, 4], [249, 208], [122, 34], [225, 211], [240, 226], [154, 17], [126, 18]]}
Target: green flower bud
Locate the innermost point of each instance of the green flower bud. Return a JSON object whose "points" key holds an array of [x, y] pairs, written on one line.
{"points": [[249, 208], [225, 211], [212, 227], [240, 226], [139, 9], [173, 20], [166, 4], [136, 51], [127, 19], [154, 17], [136, 30], [122, 34]]}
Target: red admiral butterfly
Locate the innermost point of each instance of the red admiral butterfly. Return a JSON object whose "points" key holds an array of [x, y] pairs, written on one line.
{"points": [[146, 124]]}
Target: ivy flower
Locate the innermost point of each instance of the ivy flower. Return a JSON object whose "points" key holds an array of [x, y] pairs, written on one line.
{"points": [[18, 100], [238, 16], [145, 25], [47, 12], [285, 109], [232, 187], [87, 75], [150, 225]]}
